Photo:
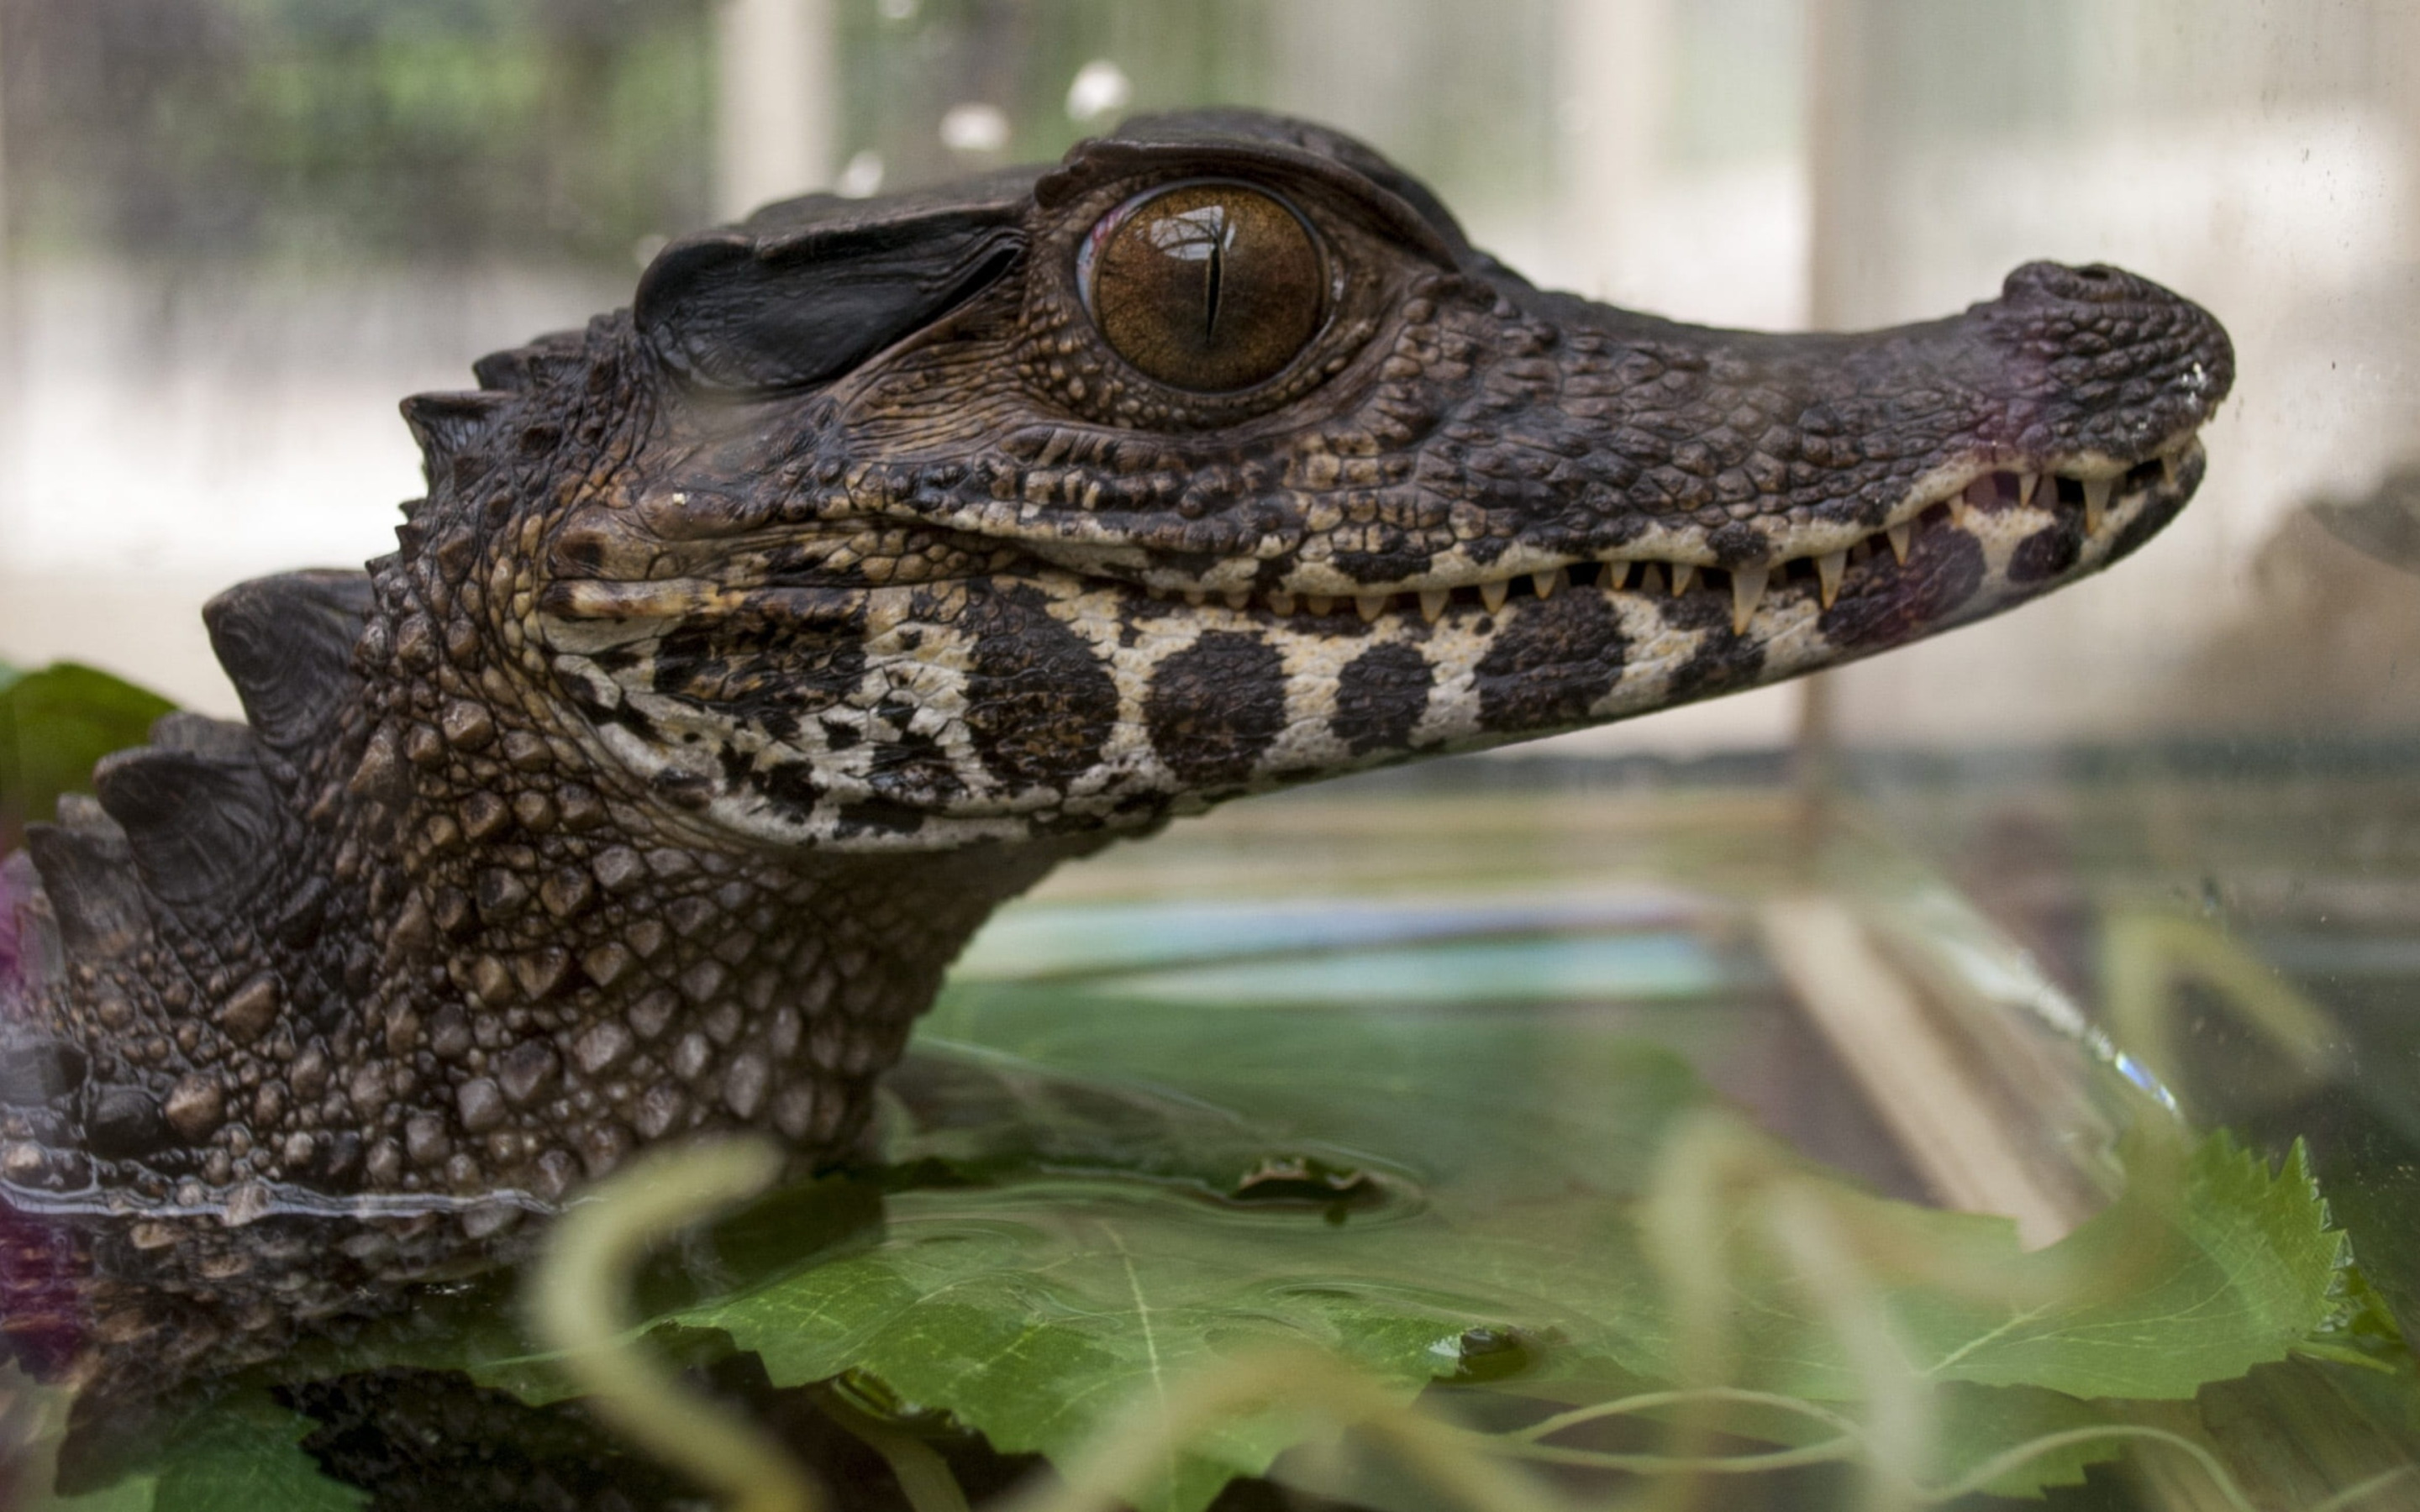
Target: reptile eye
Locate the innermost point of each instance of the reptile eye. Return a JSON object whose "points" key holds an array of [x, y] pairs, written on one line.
{"points": [[1208, 287]]}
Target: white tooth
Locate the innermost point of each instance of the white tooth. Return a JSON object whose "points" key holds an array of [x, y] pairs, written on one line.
{"points": [[1492, 594], [1371, 605], [1830, 566], [1651, 580], [1683, 574], [1957, 503], [1196, 598], [1544, 583], [2096, 504], [1747, 591], [2168, 468], [1281, 602], [1432, 602], [1319, 603], [1238, 597], [1614, 576], [2025, 484], [1900, 535]]}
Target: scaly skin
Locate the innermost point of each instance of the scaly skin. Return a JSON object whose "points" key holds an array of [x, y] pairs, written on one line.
{"points": [[752, 645]]}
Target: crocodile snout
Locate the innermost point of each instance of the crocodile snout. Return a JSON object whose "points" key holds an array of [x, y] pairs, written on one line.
{"points": [[2104, 362]]}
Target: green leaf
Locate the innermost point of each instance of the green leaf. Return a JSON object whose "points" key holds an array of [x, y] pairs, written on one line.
{"points": [[1480, 1107], [242, 1453], [2210, 1265], [1036, 1308], [2360, 1329], [2166, 1290], [136, 1494], [55, 724], [247, 1459], [1038, 1305], [2194, 1276], [1974, 1425], [1036, 1314]]}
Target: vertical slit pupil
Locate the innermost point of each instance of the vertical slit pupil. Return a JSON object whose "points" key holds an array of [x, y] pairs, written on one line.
{"points": [[1207, 286], [1211, 277]]}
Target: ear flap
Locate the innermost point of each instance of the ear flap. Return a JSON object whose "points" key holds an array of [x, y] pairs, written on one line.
{"points": [[201, 825], [88, 875], [287, 643], [35, 928], [734, 310], [534, 365], [1224, 126], [451, 425]]}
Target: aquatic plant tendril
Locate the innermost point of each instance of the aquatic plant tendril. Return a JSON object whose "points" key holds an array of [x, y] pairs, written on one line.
{"points": [[924, 1478], [1711, 1173], [578, 1299], [1475, 1469], [1723, 1200]]}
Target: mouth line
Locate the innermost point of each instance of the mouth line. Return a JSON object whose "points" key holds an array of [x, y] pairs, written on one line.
{"points": [[2094, 490], [2091, 490]]}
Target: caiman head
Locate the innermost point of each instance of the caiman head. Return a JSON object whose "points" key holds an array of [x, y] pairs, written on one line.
{"points": [[752, 644], [1216, 458]]}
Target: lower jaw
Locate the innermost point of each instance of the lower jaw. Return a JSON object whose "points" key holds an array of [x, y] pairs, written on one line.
{"points": [[1587, 653], [1212, 702]]}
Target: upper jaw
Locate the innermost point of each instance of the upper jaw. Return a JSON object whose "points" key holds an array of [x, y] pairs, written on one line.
{"points": [[1618, 442], [2098, 500], [1498, 441]]}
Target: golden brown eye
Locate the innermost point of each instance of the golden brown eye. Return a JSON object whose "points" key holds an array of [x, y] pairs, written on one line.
{"points": [[1208, 287]]}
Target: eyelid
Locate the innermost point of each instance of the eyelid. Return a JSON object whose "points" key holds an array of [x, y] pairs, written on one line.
{"points": [[1351, 192]]}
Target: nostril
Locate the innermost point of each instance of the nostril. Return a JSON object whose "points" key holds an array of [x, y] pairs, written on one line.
{"points": [[2057, 281], [2090, 284]]}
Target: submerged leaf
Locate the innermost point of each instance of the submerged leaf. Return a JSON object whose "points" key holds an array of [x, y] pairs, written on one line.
{"points": [[242, 1453], [2209, 1264], [2166, 1290], [1090, 1253], [1976, 1425], [247, 1461], [1480, 1107], [1036, 1313], [136, 1494]]}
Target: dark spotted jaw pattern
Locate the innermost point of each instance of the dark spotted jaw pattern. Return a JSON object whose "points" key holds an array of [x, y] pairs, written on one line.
{"points": [[1186, 696], [753, 643]]}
